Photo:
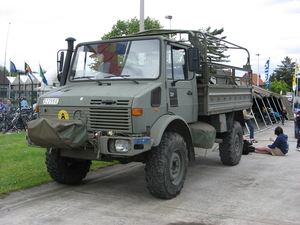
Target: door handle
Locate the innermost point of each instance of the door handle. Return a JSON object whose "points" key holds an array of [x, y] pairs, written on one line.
{"points": [[189, 93]]}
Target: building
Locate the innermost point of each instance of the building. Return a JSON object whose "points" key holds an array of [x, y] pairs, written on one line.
{"points": [[256, 80]]}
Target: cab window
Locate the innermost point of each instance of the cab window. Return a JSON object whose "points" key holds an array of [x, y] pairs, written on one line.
{"points": [[176, 63]]}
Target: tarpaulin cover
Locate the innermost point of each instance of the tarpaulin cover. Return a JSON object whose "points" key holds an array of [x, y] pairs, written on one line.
{"points": [[57, 133], [203, 134], [263, 93]]}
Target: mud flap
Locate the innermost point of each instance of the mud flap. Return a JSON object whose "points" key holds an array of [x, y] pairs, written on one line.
{"points": [[57, 133]]}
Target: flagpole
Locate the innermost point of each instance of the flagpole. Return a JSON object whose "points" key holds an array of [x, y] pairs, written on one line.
{"points": [[9, 86], [257, 80], [142, 23], [296, 80], [19, 91], [28, 72], [294, 84], [269, 73], [5, 53]]}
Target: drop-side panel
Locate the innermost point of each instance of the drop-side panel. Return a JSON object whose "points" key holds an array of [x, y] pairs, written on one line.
{"points": [[214, 99]]}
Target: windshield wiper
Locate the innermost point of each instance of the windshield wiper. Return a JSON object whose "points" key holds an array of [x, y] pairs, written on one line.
{"points": [[124, 77], [89, 77], [100, 83]]}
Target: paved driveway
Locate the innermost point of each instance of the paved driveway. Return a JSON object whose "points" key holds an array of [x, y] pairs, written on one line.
{"points": [[262, 189]]}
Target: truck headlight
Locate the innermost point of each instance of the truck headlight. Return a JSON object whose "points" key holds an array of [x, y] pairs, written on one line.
{"points": [[119, 145]]}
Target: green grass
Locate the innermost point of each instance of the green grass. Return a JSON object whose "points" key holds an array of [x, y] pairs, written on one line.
{"points": [[22, 166]]}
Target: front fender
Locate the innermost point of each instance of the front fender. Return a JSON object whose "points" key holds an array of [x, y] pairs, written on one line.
{"points": [[171, 123]]}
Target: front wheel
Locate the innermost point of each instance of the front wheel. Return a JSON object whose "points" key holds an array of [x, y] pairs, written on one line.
{"points": [[166, 166], [66, 170], [231, 148]]}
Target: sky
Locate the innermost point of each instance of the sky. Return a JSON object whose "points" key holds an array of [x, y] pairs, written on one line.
{"points": [[33, 31]]}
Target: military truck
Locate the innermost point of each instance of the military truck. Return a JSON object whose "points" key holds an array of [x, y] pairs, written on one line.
{"points": [[150, 97]]}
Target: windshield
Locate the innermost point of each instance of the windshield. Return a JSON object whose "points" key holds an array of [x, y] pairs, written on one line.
{"points": [[134, 59]]}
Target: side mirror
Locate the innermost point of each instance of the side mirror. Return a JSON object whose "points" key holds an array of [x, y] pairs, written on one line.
{"points": [[60, 60], [193, 59], [60, 63]]}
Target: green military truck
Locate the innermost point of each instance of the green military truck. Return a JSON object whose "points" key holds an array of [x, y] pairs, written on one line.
{"points": [[150, 97]]}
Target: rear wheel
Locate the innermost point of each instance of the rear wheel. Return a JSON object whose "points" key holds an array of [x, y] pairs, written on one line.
{"points": [[166, 167], [66, 170], [21, 122], [231, 148]]}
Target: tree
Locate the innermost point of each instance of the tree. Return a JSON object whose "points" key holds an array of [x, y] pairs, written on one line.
{"points": [[278, 86], [216, 51], [284, 72], [5, 71], [131, 26]]}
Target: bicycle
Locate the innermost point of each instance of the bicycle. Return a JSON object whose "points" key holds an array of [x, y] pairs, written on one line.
{"points": [[3, 124], [14, 121]]}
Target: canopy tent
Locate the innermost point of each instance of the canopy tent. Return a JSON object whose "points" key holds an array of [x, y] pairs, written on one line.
{"points": [[20, 79], [266, 108], [263, 93]]}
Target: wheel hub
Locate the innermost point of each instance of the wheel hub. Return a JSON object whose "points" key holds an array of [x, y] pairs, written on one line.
{"points": [[237, 145], [176, 168]]}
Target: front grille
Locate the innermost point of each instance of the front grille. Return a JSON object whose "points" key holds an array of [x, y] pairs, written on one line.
{"points": [[104, 102], [118, 119]]}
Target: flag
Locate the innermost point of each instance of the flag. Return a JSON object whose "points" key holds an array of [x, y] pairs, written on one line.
{"points": [[294, 84], [267, 73], [28, 72], [12, 67], [27, 68], [43, 76]]}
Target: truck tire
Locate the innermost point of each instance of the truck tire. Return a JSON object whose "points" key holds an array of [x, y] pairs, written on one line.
{"points": [[231, 148], [66, 170], [166, 166]]}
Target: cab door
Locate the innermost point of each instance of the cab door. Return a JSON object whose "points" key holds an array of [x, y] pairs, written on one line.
{"points": [[181, 86]]}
